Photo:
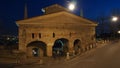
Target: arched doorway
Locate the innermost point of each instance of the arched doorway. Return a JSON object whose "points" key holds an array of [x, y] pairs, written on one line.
{"points": [[60, 47], [36, 49], [77, 46]]}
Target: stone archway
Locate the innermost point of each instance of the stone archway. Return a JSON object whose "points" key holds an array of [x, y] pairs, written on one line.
{"points": [[77, 46], [36, 49], [60, 47]]}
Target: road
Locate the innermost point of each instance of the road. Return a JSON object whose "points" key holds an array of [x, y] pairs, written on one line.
{"points": [[107, 56]]}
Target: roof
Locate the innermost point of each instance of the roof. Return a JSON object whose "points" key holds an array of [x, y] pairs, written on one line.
{"points": [[57, 17], [54, 8]]}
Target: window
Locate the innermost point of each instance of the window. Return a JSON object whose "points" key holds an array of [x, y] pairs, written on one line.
{"points": [[92, 37], [39, 35], [70, 34], [53, 35], [32, 35]]}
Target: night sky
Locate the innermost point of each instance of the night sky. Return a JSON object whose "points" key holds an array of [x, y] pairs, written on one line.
{"points": [[12, 10]]}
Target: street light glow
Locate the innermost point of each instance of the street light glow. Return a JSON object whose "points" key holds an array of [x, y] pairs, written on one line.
{"points": [[119, 31], [114, 19], [71, 6]]}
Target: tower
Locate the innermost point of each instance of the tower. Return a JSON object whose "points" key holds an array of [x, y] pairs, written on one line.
{"points": [[81, 12], [25, 12]]}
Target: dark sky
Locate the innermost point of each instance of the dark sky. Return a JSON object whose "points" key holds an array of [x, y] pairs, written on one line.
{"points": [[12, 10]]}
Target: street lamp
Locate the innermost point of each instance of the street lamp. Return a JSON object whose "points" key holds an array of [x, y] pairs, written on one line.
{"points": [[119, 32], [114, 18], [71, 6]]}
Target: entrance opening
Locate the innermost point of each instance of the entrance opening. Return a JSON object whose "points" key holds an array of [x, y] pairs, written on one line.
{"points": [[35, 52], [36, 49], [77, 46], [60, 47]]}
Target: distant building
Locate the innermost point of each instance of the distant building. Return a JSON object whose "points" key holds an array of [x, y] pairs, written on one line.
{"points": [[56, 30]]}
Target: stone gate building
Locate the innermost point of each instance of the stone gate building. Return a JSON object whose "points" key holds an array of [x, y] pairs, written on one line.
{"points": [[56, 30]]}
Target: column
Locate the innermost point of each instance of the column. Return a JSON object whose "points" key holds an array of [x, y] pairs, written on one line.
{"points": [[49, 50], [71, 47], [22, 39]]}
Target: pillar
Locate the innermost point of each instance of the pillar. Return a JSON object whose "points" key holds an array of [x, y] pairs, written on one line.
{"points": [[71, 47], [49, 50], [22, 39]]}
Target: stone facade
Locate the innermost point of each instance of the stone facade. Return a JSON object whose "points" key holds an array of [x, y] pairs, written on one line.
{"points": [[41, 32]]}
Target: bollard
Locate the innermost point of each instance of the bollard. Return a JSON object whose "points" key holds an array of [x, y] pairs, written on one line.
{"points": [[68, 56], [41, 61], [73, 52], [79, 51], [91, 46], [87, 47]]}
